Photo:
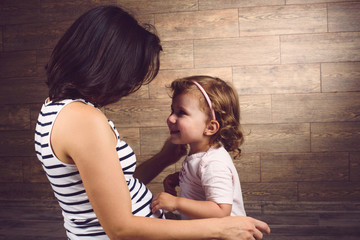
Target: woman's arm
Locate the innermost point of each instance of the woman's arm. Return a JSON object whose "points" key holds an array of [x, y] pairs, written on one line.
{"points": [[83, 135], [169, 154], [191, 208]]}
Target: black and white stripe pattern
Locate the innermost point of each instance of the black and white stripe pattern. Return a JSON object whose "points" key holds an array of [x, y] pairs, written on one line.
{"points": [[80, 220]]}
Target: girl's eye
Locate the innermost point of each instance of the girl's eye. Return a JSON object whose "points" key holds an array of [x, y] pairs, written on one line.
{"points": [[181, 112]]}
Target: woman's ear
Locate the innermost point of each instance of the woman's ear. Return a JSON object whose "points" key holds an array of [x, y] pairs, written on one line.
{"points": [[212, 128]]}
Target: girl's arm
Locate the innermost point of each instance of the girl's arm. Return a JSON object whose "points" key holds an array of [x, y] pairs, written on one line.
{"points": [[84, 136], [191, 208]]}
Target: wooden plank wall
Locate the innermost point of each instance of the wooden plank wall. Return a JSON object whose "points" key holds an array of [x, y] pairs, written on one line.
{"points": [[294, 63]]}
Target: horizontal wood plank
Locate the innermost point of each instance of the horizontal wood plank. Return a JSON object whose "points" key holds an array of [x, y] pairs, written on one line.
{"points": [[17, 64], [314, 1], [355, 167], [139, 113], [317, 107], [68, 10], [158, 6], [276, 138], [277, 20], [17, 12], [17, 143], [284, 167], [236, 51], [273, 79], [344, 17], [131, 136], [322, 191], [220, 4], [24, 90], [255, 109], [14, 117], [248, 167], [323, 47], [11, 170], [152, 139], [33, 36], [335, 136], [177, 54], [33, 171], [340, 77], [269, 191], [197, 25]]}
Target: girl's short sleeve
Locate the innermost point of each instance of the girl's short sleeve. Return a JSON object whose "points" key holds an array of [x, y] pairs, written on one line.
{"points": [[217, 181]]}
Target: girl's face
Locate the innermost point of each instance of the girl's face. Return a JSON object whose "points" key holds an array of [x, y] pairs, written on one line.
{"points": [[187, 123]]}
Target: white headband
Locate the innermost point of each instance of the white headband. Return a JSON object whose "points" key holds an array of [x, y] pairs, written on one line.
{"points": [[206, 97]]}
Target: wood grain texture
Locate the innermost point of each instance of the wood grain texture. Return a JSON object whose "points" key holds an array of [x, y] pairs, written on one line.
{"points": [[131, 136], [158, 6], [296, 167], [219, 4], [321, 47], [248, 167], [276, 138], [344, 17], [355, 167], [342, 77], [277, 20], [52, 10], [255, 109], [159, 87], [33, 171], [269, 191], [33, 36], [14, 117], [313, 1], [20, 11], [11, 170], [136, 113], [152, 139], [1, 40], [336, 191], [177, 54], [311, 207], [17, 143], [236, 51], [23, 91], [26, 191], [17, 64], [273, 79], [197, 25], [325, 107], [335, 136]]}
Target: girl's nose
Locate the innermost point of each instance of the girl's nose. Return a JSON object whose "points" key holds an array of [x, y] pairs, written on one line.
{"points": [[171, 119]]}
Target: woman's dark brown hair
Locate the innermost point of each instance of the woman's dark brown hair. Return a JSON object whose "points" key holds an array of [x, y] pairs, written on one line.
{"points": [[105, 55]]}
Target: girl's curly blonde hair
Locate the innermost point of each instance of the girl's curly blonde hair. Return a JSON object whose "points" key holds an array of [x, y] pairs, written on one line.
{"points": [[225, 102]]}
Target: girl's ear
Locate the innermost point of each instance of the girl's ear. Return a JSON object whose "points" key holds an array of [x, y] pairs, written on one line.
{"points": [[212, 128]]}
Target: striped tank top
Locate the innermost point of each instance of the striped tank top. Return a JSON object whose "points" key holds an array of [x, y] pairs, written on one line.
{"points": [[80, 220]]}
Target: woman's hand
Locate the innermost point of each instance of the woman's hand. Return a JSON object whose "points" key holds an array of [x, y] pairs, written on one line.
{"points": [[171, 182], [245, 228]]}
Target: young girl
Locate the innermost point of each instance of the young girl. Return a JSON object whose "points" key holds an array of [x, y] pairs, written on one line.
{"points": [[205, 114]]}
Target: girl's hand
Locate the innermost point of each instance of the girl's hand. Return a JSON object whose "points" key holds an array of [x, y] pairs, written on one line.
{"points": [[164, 201], [171, 182]]}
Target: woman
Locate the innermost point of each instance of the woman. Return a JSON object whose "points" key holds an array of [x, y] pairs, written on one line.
{"points": [[104, 56]]}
